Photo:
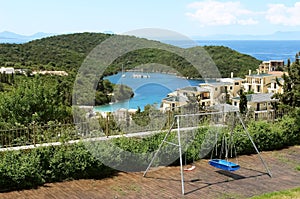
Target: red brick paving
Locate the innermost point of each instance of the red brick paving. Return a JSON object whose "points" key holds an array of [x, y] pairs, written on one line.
{"points": [[204, 182]]}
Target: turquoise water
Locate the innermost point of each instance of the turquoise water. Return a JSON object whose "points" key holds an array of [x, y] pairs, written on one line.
{"points": [[146, 90], [152, 90]]}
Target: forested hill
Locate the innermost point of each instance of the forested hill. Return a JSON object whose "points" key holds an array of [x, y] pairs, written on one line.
{"points": [[228, 60], [67, 52]]}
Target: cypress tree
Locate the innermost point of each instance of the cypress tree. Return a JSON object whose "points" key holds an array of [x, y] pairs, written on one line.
{"points": [[243, 102]]}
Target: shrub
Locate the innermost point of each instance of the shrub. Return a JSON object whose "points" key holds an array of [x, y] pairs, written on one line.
{"points": [[20, 170], [33, 167]]}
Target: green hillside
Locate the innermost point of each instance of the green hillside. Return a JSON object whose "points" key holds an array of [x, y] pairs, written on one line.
{"points": [[57, 52], [228, 60], [67, 52]]}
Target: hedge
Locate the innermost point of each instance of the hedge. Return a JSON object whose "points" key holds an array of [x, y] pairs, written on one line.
{"points": [[34, 167]]}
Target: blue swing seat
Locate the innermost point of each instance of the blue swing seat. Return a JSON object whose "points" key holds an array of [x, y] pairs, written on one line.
{"points": [[224, 165]]}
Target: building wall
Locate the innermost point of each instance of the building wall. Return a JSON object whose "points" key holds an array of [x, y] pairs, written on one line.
{"points": [[171, 105], [237, 85], [275, 88], [258, 84], [8, 70], [271, 65], [256, 106]]}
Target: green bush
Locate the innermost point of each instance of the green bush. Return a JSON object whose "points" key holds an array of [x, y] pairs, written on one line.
{"points": [[265, 136], [289, 129], [34, 167], [31, 168], [20, 170]]}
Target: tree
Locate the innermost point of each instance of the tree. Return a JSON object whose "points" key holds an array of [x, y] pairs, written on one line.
{"points": [[227, 96], [1, 87], [291, 96], [297, 58], [122, 92], [142, 118], [38, 99], [243, 102]]}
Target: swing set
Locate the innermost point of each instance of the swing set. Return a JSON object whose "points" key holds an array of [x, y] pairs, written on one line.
{"points": [[224, 164], [227, 147]]}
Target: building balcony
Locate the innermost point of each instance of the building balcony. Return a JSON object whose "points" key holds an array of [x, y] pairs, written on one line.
{"points": [[205, 100], [273, 90]]}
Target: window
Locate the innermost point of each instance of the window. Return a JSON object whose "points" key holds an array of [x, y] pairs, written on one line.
{"points": [[230, 87], [205, 95], [216, 89], [258, 89], [237, 83], [235, 103]]}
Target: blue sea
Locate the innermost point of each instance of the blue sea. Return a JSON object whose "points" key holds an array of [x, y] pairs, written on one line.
{"points": [[152, 90], [263, 50]]}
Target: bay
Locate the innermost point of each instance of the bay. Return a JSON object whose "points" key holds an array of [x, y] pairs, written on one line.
{"points": [[152, 90], [146, 90]]}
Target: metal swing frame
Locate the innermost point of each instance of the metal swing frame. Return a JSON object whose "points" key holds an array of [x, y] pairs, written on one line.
{"points": [[178, 144], [224, 164]]}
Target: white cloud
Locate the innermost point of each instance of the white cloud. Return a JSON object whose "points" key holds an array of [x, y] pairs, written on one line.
{"points": [[249, 21], [280, 14], [214, 13]]}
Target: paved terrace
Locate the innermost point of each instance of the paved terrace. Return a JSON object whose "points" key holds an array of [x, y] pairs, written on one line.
{"points": [[204, 182]]}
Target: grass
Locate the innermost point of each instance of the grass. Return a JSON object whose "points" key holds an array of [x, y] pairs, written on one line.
{"points": [[230, 196], [122, 190], [287, 194], [134, 187], [119, 190], [290, 161]]}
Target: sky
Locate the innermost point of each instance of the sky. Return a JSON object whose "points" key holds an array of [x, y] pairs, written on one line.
{"points": [[188, 17]]}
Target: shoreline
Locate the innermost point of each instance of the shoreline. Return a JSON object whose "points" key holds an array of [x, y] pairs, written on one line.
{"points": [[165, 73]]}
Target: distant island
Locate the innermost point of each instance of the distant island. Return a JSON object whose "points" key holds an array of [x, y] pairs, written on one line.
{"points": [[11, 37], [280, 35]]}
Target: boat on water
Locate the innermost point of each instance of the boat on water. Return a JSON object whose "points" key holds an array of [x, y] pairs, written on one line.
{"points": [[123, 74], [140, 76]]}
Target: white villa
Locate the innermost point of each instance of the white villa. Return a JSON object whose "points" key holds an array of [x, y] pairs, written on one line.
{"points": [[173, 103], [272, 65], [264, 84], [260, 104], [8, 70]]}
